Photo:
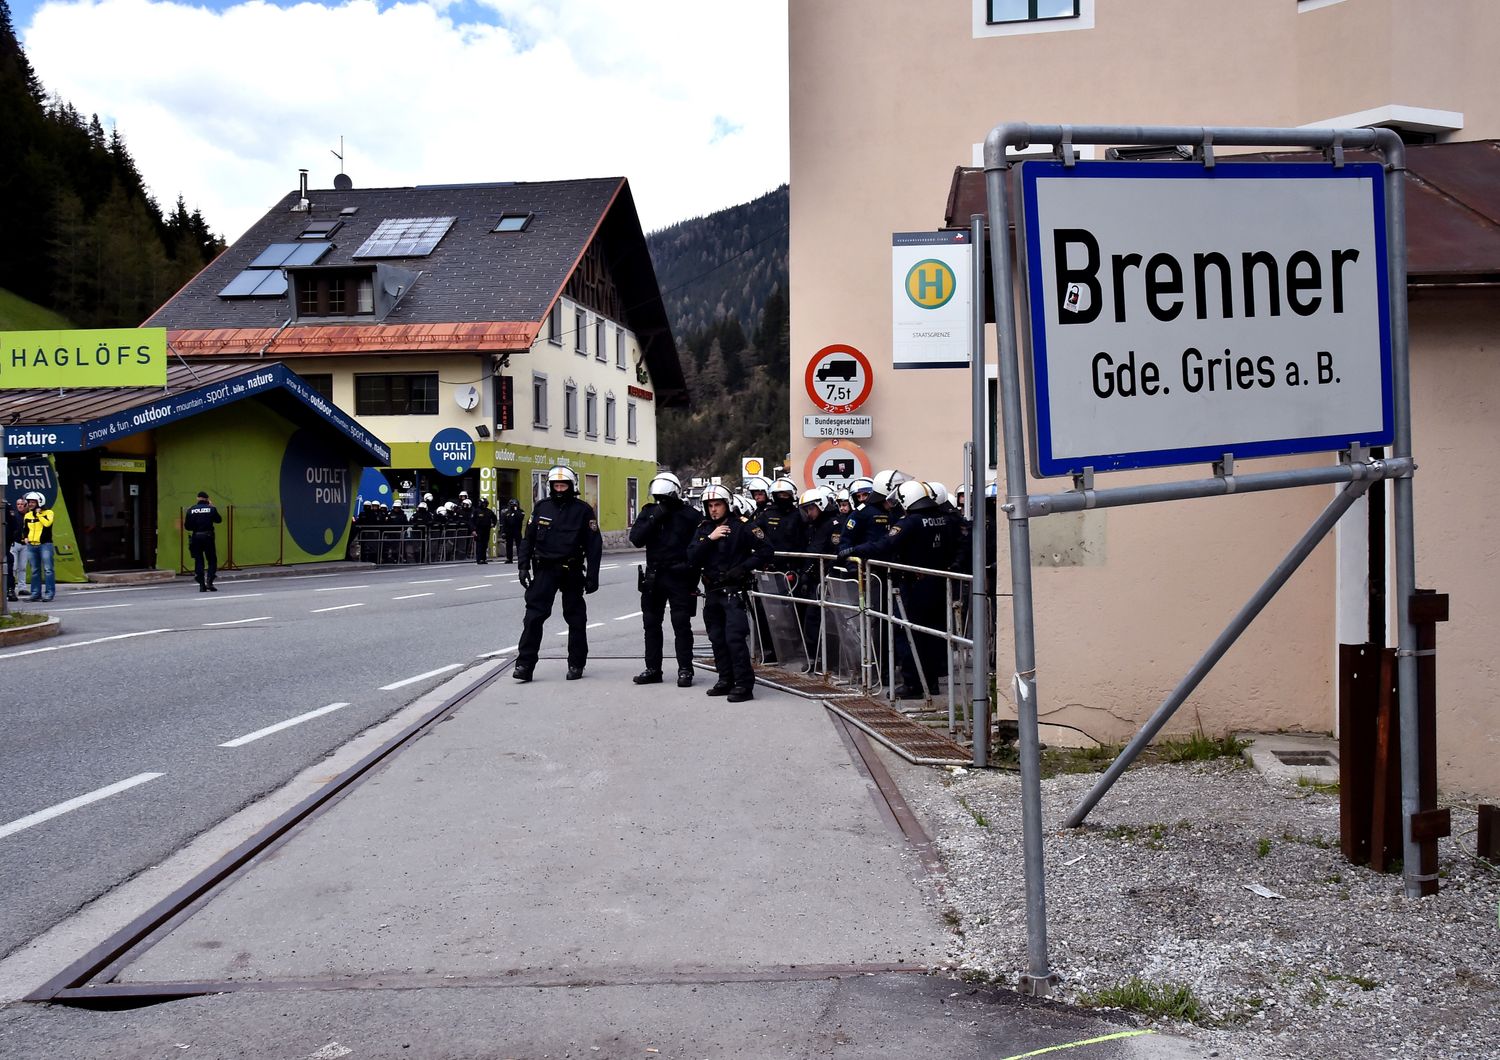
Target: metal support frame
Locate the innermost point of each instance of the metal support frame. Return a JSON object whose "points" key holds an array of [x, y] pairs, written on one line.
{"points": [[1020, 507]]}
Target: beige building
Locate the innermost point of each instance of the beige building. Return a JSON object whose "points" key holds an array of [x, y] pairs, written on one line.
{"points": [[889, 98]]}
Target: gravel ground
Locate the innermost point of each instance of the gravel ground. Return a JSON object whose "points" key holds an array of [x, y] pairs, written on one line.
{"points": [[1156, 886]]}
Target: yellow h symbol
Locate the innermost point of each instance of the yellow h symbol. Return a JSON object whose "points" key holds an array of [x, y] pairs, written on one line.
{"points": [[930, 283]]}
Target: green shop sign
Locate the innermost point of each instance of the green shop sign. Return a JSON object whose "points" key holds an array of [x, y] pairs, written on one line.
{"points": [[99, 357]]}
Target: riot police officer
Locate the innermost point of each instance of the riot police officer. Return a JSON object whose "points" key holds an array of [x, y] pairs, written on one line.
{"points": [[725, 550], [664, 529], [560, 552], [198, 524], [819, 511], [758, 489]]}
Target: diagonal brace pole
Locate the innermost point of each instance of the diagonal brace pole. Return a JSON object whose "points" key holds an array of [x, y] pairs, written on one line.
{"points": [[1241, 621]]}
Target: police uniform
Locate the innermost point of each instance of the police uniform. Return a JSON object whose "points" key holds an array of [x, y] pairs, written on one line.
{"points": [[560, 552], [822, 538], [725, 566], [198, 524], [484, 524], [665, 529]]}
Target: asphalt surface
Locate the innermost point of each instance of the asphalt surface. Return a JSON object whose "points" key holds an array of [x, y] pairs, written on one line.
{"points": [[146, 684]]}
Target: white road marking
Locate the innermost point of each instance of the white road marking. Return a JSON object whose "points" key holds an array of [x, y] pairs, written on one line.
{"points": [[231, 596], [339, 588], [430, 581], [239, 621], [593, 625], [22, 823], [502, 651], [609, 566], [502, 574], [93, 607], [341, 607], [82, 643], [466, 588], [421, 677], [633, 614], [412, 596], [250, 737]]}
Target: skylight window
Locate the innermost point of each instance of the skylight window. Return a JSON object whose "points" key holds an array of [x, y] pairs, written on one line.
{"points": [[320, 229], [281, 255], [513, 222], [405, 237]]}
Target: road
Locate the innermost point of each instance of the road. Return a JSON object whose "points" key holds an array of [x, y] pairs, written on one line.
{"points": [[161, 711]]}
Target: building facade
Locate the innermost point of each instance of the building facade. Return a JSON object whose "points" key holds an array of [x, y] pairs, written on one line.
{"points": [[889, 99]]}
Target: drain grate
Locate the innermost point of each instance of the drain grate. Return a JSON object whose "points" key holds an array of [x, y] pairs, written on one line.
{"points": [[811, 686], [1305, 758], [912, 741]]}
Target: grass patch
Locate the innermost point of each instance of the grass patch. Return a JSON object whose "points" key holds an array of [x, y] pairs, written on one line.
{"points": [[980, 819], [17, 619], [1262, 847], [953, 920], [1173, 1001], [1364, 982], [1308, 840], [1321, 789], [17, 314], [1197, 748], [1152, 836]]}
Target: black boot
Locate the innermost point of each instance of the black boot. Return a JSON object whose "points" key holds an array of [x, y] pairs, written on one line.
{"points": [[575, 672], [648, 677], [521, 673], [685, 677], [721, 688], [740, 695]]}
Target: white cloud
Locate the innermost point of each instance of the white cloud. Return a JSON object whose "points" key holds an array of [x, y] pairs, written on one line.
{"points": [[687, 98]]}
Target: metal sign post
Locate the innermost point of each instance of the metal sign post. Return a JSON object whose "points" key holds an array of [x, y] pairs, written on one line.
{"points": [[979, 589], [1322, 414]]}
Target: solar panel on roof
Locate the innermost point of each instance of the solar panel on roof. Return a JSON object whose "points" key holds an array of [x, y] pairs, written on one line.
{"points": [[279, 254], [256, 283], [405, 237]]}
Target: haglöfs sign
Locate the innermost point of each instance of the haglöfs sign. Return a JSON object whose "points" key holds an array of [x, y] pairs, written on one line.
{"points": [[91, 358], [1179, 313]]}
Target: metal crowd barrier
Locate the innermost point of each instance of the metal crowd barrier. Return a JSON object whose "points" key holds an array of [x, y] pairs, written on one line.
{"points": [[862, 612], [385, 544]]}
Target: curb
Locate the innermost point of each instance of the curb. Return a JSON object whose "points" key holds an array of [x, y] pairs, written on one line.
{"points": [[27, 634]]}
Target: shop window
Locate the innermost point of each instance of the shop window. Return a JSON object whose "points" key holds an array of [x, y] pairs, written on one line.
{"points": [[413, 394], [632, 499]]}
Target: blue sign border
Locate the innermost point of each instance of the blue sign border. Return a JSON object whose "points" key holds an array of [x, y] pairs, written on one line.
{"points": [[1044, 464]]}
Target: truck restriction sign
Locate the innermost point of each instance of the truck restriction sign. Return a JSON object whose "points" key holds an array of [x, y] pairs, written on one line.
{"points": [[839, 378], [835, 464]]}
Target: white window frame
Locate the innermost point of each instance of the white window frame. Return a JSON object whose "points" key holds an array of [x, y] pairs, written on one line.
{"points": [[601, 340], [539, 407], [554, 323], [590, 412], [570, 408], [620, 348], [581, 332], [982, 27], [538, 486], [609, 417], [632, 423]]}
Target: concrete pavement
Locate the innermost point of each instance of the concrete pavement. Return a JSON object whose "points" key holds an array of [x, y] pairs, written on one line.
{"points": [[588, 868]]}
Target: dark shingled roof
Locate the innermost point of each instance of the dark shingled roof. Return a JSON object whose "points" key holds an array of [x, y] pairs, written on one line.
{"points": [[478, 289]]}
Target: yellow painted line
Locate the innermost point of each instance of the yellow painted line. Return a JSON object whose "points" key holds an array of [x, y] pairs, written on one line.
{"points": [[1076, 1045]]}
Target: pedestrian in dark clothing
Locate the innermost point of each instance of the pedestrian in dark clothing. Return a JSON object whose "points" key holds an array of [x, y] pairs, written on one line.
{"points": [[559, 553], [512, 520], [13, 531], [664, 529], [484, 524], [198, 524], [820, 512], [725, 550]]}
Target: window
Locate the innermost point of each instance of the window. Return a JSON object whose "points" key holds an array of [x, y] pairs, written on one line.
{"points": [[630, 422], [554, 324], [620, 348], [513, 222], [538, 486], [1030, 10], [580, 331], [591, 413], [632, 499], [601, 341], [321, 383], [570, 407], [609, 419], [396, 395], [591, 491], [320, 229], [538, 400], [334, 294], [405, 237]]}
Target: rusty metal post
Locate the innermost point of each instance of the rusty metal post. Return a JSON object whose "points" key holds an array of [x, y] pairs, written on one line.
{"points": [[1489, 833]]}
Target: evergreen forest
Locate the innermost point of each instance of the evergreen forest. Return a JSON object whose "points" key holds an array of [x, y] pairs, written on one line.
{"points": [[83, 236]]}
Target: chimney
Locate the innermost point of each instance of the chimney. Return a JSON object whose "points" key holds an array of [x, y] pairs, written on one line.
{"points": [[302, 205]]}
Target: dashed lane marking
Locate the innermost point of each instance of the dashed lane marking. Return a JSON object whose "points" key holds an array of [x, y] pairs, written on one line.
{"points": [[430, 581], [92, 607], [339, 588], [251, 737], [412, 596], [420, 677], [341, 607], [239, 621], [633, 614], [22, 823], [593, 625], [82, 643], [466, 588], [502, 651]]}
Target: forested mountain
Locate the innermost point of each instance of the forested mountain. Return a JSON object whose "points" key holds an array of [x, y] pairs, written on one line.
{"points": [[724, 282], [83, 237]]}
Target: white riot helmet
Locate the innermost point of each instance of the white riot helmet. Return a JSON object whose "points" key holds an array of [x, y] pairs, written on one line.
{"points": [[858, 486], [35, 498], [784, 487], [463, 494], [755, 483], [427, 497], [885, 482], [814, 496], [741, 505], [939, 492], [715, 492], [665, 485], [563, 474], [842, 496], [910, 492]]}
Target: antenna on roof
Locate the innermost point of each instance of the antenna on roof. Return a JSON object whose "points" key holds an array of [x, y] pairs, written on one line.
{"points": [[339, 154], [341, 181]]}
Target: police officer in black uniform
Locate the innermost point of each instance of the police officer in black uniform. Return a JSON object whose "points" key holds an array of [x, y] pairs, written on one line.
{"points": [[924, 536], [198, 524], [820, 513], [560, 552], [725, 550], [664, 529], [512, 520], [484, 524]]}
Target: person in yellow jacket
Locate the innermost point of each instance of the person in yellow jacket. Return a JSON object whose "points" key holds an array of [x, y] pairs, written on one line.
{"points": [[36, 532]]}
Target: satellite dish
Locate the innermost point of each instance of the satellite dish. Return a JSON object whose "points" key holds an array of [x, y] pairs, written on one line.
{"points": [[468, 398]]}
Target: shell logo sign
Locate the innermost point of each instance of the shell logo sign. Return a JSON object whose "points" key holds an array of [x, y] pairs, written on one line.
{"points": [[752, 465]]}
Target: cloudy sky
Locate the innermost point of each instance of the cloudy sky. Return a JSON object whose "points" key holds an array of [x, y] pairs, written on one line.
{"points": [[224, 101]]}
